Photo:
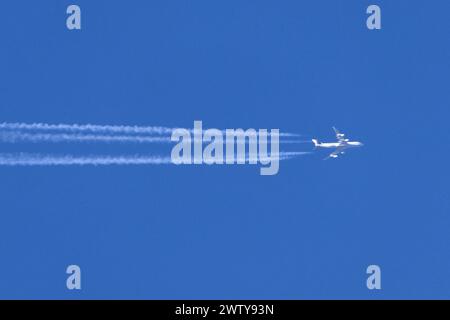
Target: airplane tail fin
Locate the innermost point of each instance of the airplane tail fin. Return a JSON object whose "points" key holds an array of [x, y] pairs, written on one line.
{"points": [[316, 142]]}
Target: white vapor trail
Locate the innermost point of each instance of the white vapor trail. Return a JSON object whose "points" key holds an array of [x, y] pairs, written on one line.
{"points": [[12, 137], [64, 137], [106, 129], [112, 129], [24, 159], [68, 160]]}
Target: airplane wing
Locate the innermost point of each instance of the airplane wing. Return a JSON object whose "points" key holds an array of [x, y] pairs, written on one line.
{"points": [[335, 153], [339, 136]]}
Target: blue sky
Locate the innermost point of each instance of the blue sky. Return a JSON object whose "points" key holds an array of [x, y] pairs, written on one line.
{"points": [[196, 232]]}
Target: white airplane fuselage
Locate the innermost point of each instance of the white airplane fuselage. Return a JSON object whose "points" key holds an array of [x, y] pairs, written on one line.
{"points": [[339, 146], [347, 144]]}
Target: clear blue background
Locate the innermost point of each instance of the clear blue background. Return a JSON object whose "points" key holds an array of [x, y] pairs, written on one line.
{"points": [[225, 231]]}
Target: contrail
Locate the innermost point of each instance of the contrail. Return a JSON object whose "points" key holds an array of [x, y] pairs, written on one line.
{"points": [[14, 136], [87, 128], [24, 159], [292, 154], [106, 129], [295, 141], [69, 160]]}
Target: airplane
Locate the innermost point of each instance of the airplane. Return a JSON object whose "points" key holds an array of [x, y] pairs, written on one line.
{"points": [[340, 146]]}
